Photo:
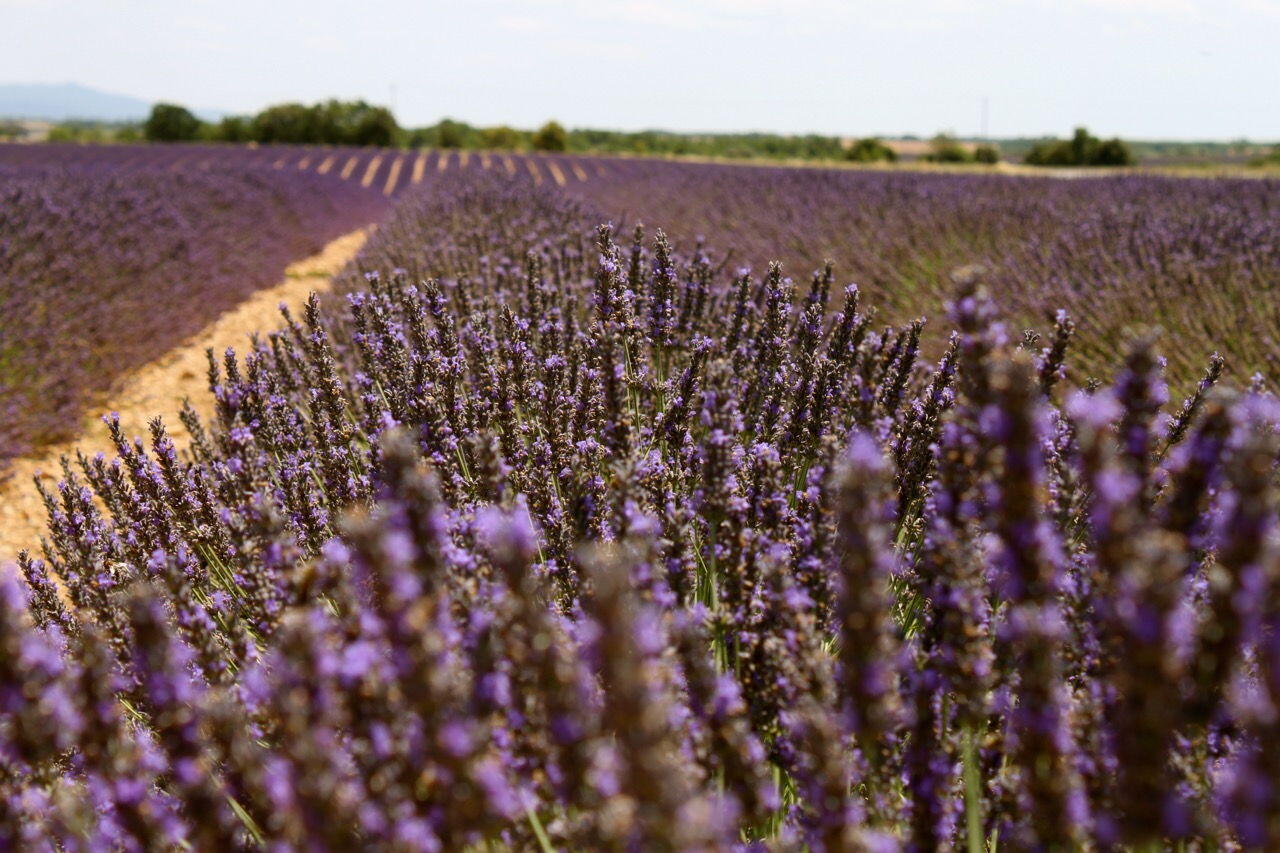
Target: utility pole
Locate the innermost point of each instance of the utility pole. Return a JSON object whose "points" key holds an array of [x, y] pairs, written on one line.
{"points": [[984, 116]]}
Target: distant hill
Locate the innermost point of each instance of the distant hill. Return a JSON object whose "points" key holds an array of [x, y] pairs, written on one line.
{"points": [[67, 101]]}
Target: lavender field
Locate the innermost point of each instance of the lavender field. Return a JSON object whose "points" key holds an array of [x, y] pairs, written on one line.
{"points": [[108, 260], [556, 532], [1197, 258]]}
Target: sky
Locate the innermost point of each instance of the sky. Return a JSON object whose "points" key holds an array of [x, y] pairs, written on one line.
{"points": [[1151, 69]]}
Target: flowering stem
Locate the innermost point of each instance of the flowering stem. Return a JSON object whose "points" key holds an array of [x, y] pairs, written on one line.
{"points": [[972, 792], [250, 825], [544, 842]]}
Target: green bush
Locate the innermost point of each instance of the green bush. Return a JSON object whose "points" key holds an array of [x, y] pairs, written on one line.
{"points": [[171, 123], [452, 134], [234, 129], [944, 148], [1053, 153], [1112, 152], [365, 124], [502, 138], [550, 137], [870, 150], [985, 153]]}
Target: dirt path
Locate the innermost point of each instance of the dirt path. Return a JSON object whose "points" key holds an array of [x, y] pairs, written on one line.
{"points": [[158, 388]]}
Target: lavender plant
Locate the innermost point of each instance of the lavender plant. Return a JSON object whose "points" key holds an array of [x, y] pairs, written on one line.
{"points": [[544, 537]]}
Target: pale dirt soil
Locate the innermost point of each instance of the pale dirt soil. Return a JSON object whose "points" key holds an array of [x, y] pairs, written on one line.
{"points": [[159, 387]]}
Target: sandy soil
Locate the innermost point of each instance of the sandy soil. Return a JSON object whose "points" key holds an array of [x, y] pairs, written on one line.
{"points": [[158, 388]]}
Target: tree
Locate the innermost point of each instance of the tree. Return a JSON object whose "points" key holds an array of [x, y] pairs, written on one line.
{"points": [[335, 122], [292, 123], [1082, 149], [550, 137], [365, 124], [171, 123], [1082, 146]]}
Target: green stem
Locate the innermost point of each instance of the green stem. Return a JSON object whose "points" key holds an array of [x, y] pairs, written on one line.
{"points": [[972, 793], [543, 840]]}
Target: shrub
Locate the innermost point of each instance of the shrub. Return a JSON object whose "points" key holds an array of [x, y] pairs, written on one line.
{"points": [[1112, 152], [870, 150], [945, 149], [502, 138], [234, 129], [988, 154], [451, 134], [369, 125], [550, 137]]}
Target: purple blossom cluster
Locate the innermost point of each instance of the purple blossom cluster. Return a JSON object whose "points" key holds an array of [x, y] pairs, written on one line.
{"points": [[107, 262], [550, 537]]}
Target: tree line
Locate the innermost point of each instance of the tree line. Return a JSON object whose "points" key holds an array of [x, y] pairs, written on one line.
{"points": [[331, 122], [335, 122]]}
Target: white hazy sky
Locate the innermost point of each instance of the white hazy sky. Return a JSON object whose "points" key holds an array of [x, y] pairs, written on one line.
{"points": [[1140, 68]]}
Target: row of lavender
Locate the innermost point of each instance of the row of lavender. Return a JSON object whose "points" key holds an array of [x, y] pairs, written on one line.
{"points": [[104, 268], [391, 171], [123, 159], [1197, 258], [584, 544]]}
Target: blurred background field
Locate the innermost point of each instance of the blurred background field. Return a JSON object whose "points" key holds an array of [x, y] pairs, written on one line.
{"points": [[159, 239]]}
